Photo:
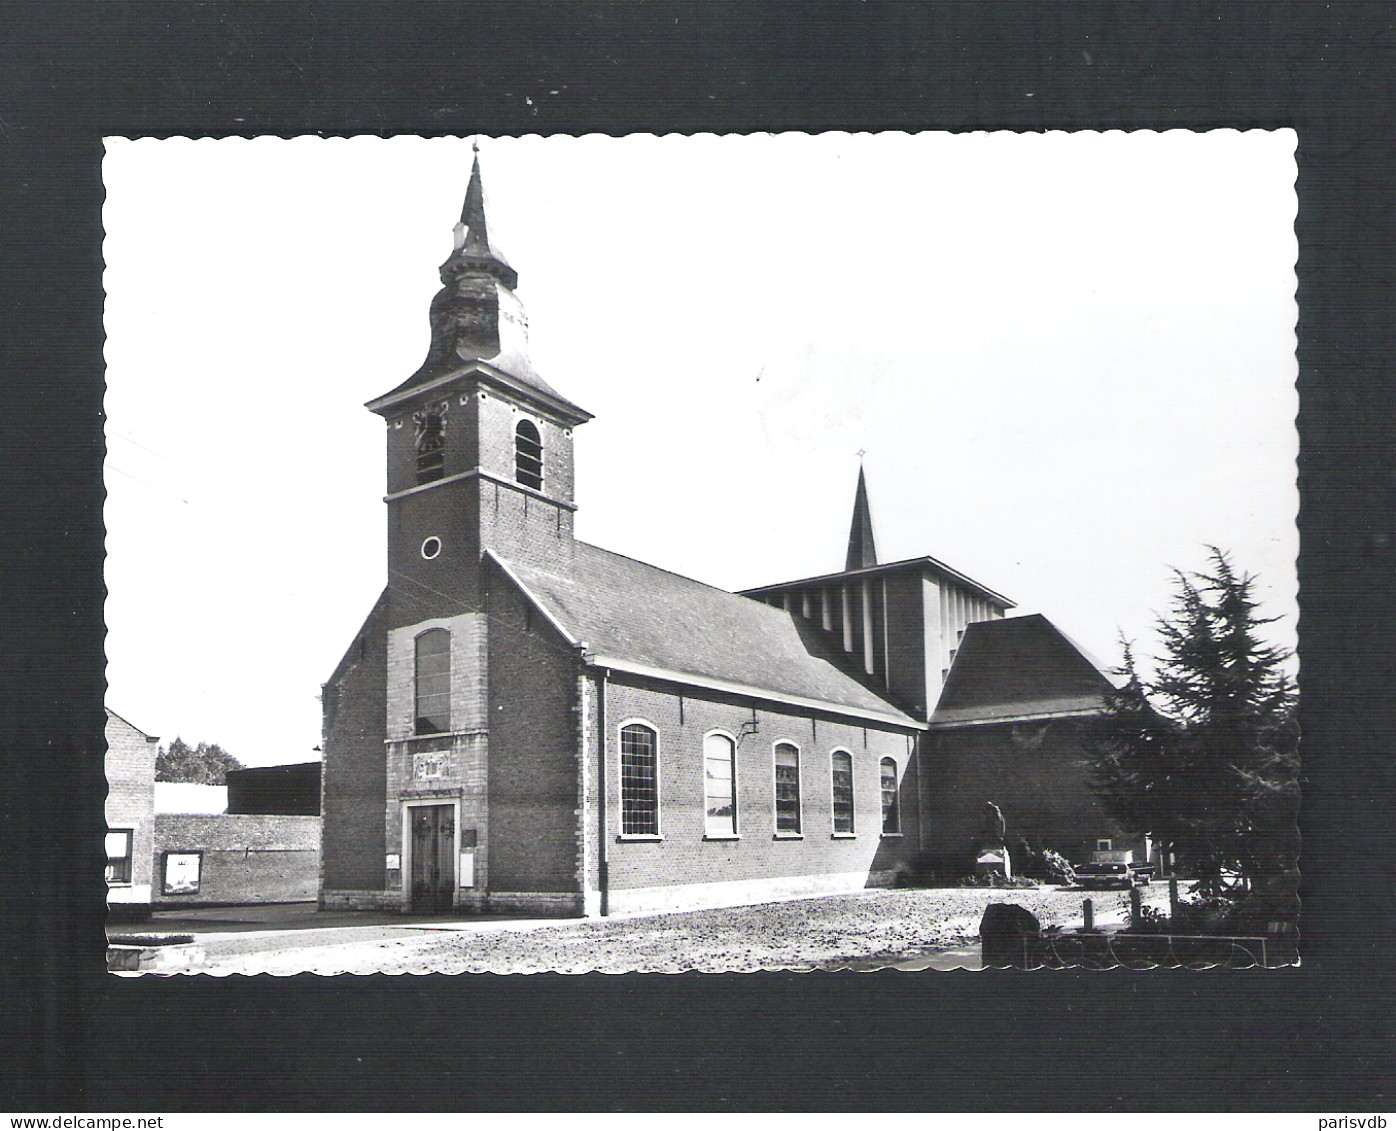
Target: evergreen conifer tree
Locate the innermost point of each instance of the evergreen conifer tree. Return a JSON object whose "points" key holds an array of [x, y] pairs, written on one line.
{"points": [[1203, 756]]}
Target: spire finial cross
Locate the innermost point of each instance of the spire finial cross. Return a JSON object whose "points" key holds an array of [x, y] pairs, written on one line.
{"points": [[862, 452]]}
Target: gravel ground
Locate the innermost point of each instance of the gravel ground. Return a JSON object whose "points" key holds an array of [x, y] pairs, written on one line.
{"points": [[828, 933]]}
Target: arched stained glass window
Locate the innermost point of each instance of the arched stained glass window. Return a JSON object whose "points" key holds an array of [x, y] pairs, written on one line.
{"points": [[842, 764], [639, 780], [433, 682], [787, 757], [719, 785], [891, 811]]}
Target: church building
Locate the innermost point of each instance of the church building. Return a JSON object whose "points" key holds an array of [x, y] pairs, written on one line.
{"points": [[529, 723]]}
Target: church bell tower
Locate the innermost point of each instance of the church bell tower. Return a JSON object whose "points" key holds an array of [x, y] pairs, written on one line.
{"points": [[479, 459], [479, 445]]}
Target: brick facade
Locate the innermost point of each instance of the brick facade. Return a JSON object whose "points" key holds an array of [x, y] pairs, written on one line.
{"points": [[445, 768], [245, 858], [130, 805], [1033, 771], [695, 871], [533, 771], [354, 774]]}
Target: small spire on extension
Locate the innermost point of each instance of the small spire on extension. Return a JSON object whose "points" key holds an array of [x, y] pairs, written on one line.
{"points": [[862, 549]]}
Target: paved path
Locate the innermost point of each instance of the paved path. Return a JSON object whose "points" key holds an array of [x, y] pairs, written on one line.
{"points": [[280, 927]]}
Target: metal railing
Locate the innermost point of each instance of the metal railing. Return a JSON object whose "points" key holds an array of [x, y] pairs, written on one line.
{"points": [[1124, 950]]}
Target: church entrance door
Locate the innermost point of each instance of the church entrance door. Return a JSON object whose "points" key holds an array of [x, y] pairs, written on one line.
{"points": [[433, 858]]}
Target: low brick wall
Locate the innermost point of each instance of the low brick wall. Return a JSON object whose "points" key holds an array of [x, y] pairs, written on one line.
{"points": [[244, 858]]}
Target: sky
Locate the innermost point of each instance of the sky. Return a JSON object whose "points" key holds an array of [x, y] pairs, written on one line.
{"points": [[1068, 357]]}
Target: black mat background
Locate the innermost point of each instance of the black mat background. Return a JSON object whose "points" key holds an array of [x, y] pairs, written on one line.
{"points": [[77, 1040]]}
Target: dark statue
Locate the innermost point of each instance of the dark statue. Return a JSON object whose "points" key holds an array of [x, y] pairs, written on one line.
{"points": [[992, 850], [994, 827]]}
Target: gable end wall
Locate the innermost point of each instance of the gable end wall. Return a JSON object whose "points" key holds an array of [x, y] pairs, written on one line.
{"points": [[354, 777]]}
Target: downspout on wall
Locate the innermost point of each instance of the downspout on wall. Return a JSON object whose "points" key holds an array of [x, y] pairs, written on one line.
{"points": [[603, 856]]}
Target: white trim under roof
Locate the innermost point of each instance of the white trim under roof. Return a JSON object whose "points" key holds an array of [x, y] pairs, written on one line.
{"points": [[953, 723], [690, 679], [924, 562]]}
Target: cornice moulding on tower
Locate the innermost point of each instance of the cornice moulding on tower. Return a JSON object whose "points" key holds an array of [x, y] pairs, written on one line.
{"points": [[488, 374]]}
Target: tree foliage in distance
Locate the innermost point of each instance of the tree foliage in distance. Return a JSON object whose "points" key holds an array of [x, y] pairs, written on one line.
{"points": [[1204, 756], [205, 764]]}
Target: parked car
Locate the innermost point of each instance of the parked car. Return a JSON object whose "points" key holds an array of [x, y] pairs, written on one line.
{"points": [[1112, 874]]}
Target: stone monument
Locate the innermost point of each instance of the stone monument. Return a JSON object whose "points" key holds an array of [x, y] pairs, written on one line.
{"points": [[991, 853]]}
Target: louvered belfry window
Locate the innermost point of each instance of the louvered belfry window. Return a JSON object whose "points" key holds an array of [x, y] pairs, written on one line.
{"points": [[528, 455], [433, 677], [639, 786], [431, 445]]}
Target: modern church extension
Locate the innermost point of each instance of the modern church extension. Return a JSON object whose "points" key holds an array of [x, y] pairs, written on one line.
{"points": [[529, 723]]}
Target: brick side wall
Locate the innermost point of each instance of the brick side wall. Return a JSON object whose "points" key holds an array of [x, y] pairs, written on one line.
{"points": [[498, 419], [533, 766], [449, 583], [130, 804], [354, 772], [683, 856], [1033, 772], [524, 528], [246, 858]]}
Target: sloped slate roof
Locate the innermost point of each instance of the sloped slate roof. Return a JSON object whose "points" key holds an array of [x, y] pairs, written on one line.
{"points": [[1020, 666], [623, 608]]}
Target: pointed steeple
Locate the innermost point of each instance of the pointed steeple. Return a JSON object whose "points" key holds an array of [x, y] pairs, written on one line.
{"points": [[862, 550], [474, 254], [478, 323]]}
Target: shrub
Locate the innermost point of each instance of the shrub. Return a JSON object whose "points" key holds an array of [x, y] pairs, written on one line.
{"points": [[1214, 916], [1201, 917], [994, 880], [1049, 866], [1150, 921]]}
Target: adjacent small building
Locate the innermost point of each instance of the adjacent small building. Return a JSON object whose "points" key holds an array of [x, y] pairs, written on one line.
{"points": [[130, 813], [254, 840], [1010, 726], [288, 791]]}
